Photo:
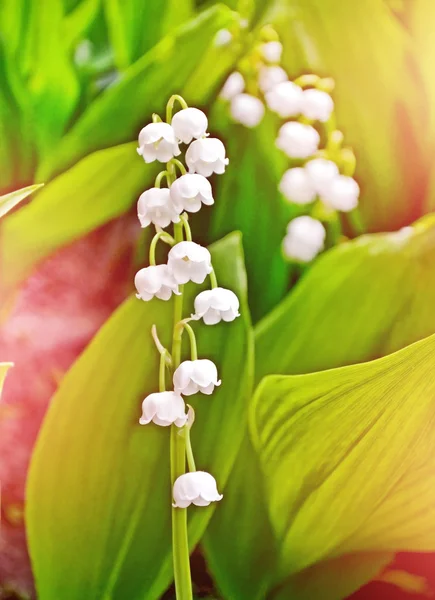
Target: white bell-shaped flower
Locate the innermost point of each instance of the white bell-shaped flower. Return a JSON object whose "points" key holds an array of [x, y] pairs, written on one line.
{"points": [[206, 156], [218, 304], [296, 186], [247, 110], [269, 77], [198, 488], [155, 281], [342, 193], [321, 173], [155, 206], [189, 191], [188, 124], [272, 51], [164, 409], [298, 140], [235, 84], [189, 261], [157, 141], [317, 105], [194, 376], [285, 99], [304, 240]]}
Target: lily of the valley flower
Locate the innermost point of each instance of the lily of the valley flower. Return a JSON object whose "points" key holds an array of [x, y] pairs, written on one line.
{"points": [[189, 191], [198, 488], [189, 261], [188, 124], [317, 105], [321, 172], [164, 409], [235, 84], [218, 304], [155, 281], [157, 141], [285, 99], [296, 186], [194, 376], [269, 77], [156, 206], [304, 240], [341, 193], [206, 156], [272, 51], [247, 110], [298, 140]]}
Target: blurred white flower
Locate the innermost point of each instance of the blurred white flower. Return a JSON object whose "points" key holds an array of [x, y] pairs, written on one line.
{"points": [[189, 261], [321, 172], [298, 140], [304, 240], [317, 105], [164, 409], [247, 110], [285, 99], [206, 156], [296, 186], [269, 77], [215, 305], [189, 191], [188, 124], [341, 193], [194, 376], [198, 488], [223, 37], [157, 141], [155, 206], [235, 84], [272, 51], [155, 281]]}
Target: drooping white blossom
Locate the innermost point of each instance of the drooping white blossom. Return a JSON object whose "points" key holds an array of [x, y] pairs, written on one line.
{"points": [[317, 105], [296, 186], [247, 110], [223, 37], [189, 191], [206, 156], [272, 51], [155, 281], [218, 304], [270, 76], [321, 172], [157, 141], [341, 193], [194, 376], [155, 206], [198, 488], [188, 124], [164, 409], [298, 140], [189, 261], [285, 99], [305, 238], [235, 84]]}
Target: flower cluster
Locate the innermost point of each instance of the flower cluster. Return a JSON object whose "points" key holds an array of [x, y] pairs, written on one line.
{"points": [[187, 261]]}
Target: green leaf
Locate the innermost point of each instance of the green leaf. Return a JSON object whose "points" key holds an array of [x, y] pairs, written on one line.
{"points": [[10, 201], [98, 188], [346, 454], [98, 509], [78, 21]]}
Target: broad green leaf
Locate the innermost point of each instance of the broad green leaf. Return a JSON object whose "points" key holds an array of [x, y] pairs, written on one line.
{"points": [[9, 201], [117, 115], [98, 188], [346, 455], [76, 24], [98, 509]]}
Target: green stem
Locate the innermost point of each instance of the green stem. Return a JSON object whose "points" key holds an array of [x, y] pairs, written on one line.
{"points": [[160, 235], [170, 106], [189, 452], [185, 222], [156, 118], [159, 178], [162, 372], [213, 280], [180, 165], [192, 338]]}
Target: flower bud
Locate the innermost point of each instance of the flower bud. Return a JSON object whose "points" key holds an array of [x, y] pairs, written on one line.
{"points": [[269, 77], [155, 206], [296, 186], [321, 173], [222, 38], [198, 488], [215, 305], [189, 261], [235, 84], [272, 51], [188, 124], [157, 141], [155, 281], [164, 409], [189, 191], [247, 110], [285, 99], [341, 193], [194, 376], [206, 156], [317, 105], [298, 140], [304, 240]]}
